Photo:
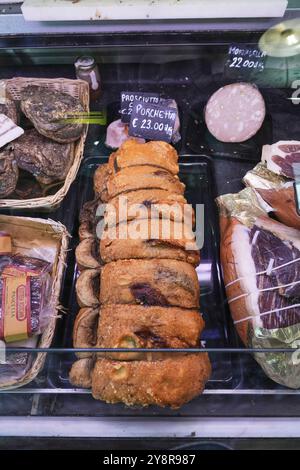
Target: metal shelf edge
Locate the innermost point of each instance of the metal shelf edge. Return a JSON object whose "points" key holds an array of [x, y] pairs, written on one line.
{"points": [[152, 427]]}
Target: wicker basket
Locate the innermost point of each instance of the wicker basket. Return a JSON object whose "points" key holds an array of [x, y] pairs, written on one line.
{"points": [[77, 88], [28, 234]]}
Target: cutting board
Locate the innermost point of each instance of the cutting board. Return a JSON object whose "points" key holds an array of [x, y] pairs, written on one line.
{"points": [[85, 10]]}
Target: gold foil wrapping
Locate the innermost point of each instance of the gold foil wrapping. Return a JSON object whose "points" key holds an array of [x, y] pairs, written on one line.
{"points": [[262, 178], [282, 367], [244, 206]]}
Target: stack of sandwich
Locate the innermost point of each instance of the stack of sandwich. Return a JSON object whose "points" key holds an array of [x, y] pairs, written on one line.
{"points": [[139, 289]]}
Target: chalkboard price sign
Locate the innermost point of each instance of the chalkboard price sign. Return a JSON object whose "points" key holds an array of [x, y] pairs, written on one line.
{"points": [[243, 58], [152, 122], [128, 98]]}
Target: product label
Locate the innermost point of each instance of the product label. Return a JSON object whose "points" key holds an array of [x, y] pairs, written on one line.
{"points": [[129, 97], [152, 122], [5, 243], [243, 60], [15, 320]]}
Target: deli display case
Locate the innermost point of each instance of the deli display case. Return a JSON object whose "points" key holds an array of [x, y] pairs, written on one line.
{"points": [[253, 393]]}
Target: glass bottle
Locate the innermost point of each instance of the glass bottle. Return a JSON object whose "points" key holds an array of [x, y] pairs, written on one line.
{"points": [[87, 70]]}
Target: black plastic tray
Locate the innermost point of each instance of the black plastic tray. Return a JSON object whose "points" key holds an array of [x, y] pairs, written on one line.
{"points": [[196, 172]]}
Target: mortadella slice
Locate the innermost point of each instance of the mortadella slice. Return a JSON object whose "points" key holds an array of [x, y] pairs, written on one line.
{"points": [[235, 112]]}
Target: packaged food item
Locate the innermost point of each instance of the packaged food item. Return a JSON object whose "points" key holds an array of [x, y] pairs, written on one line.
{"points": [[25, 291], [32, 262], [261, 269], [235, 112]]}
